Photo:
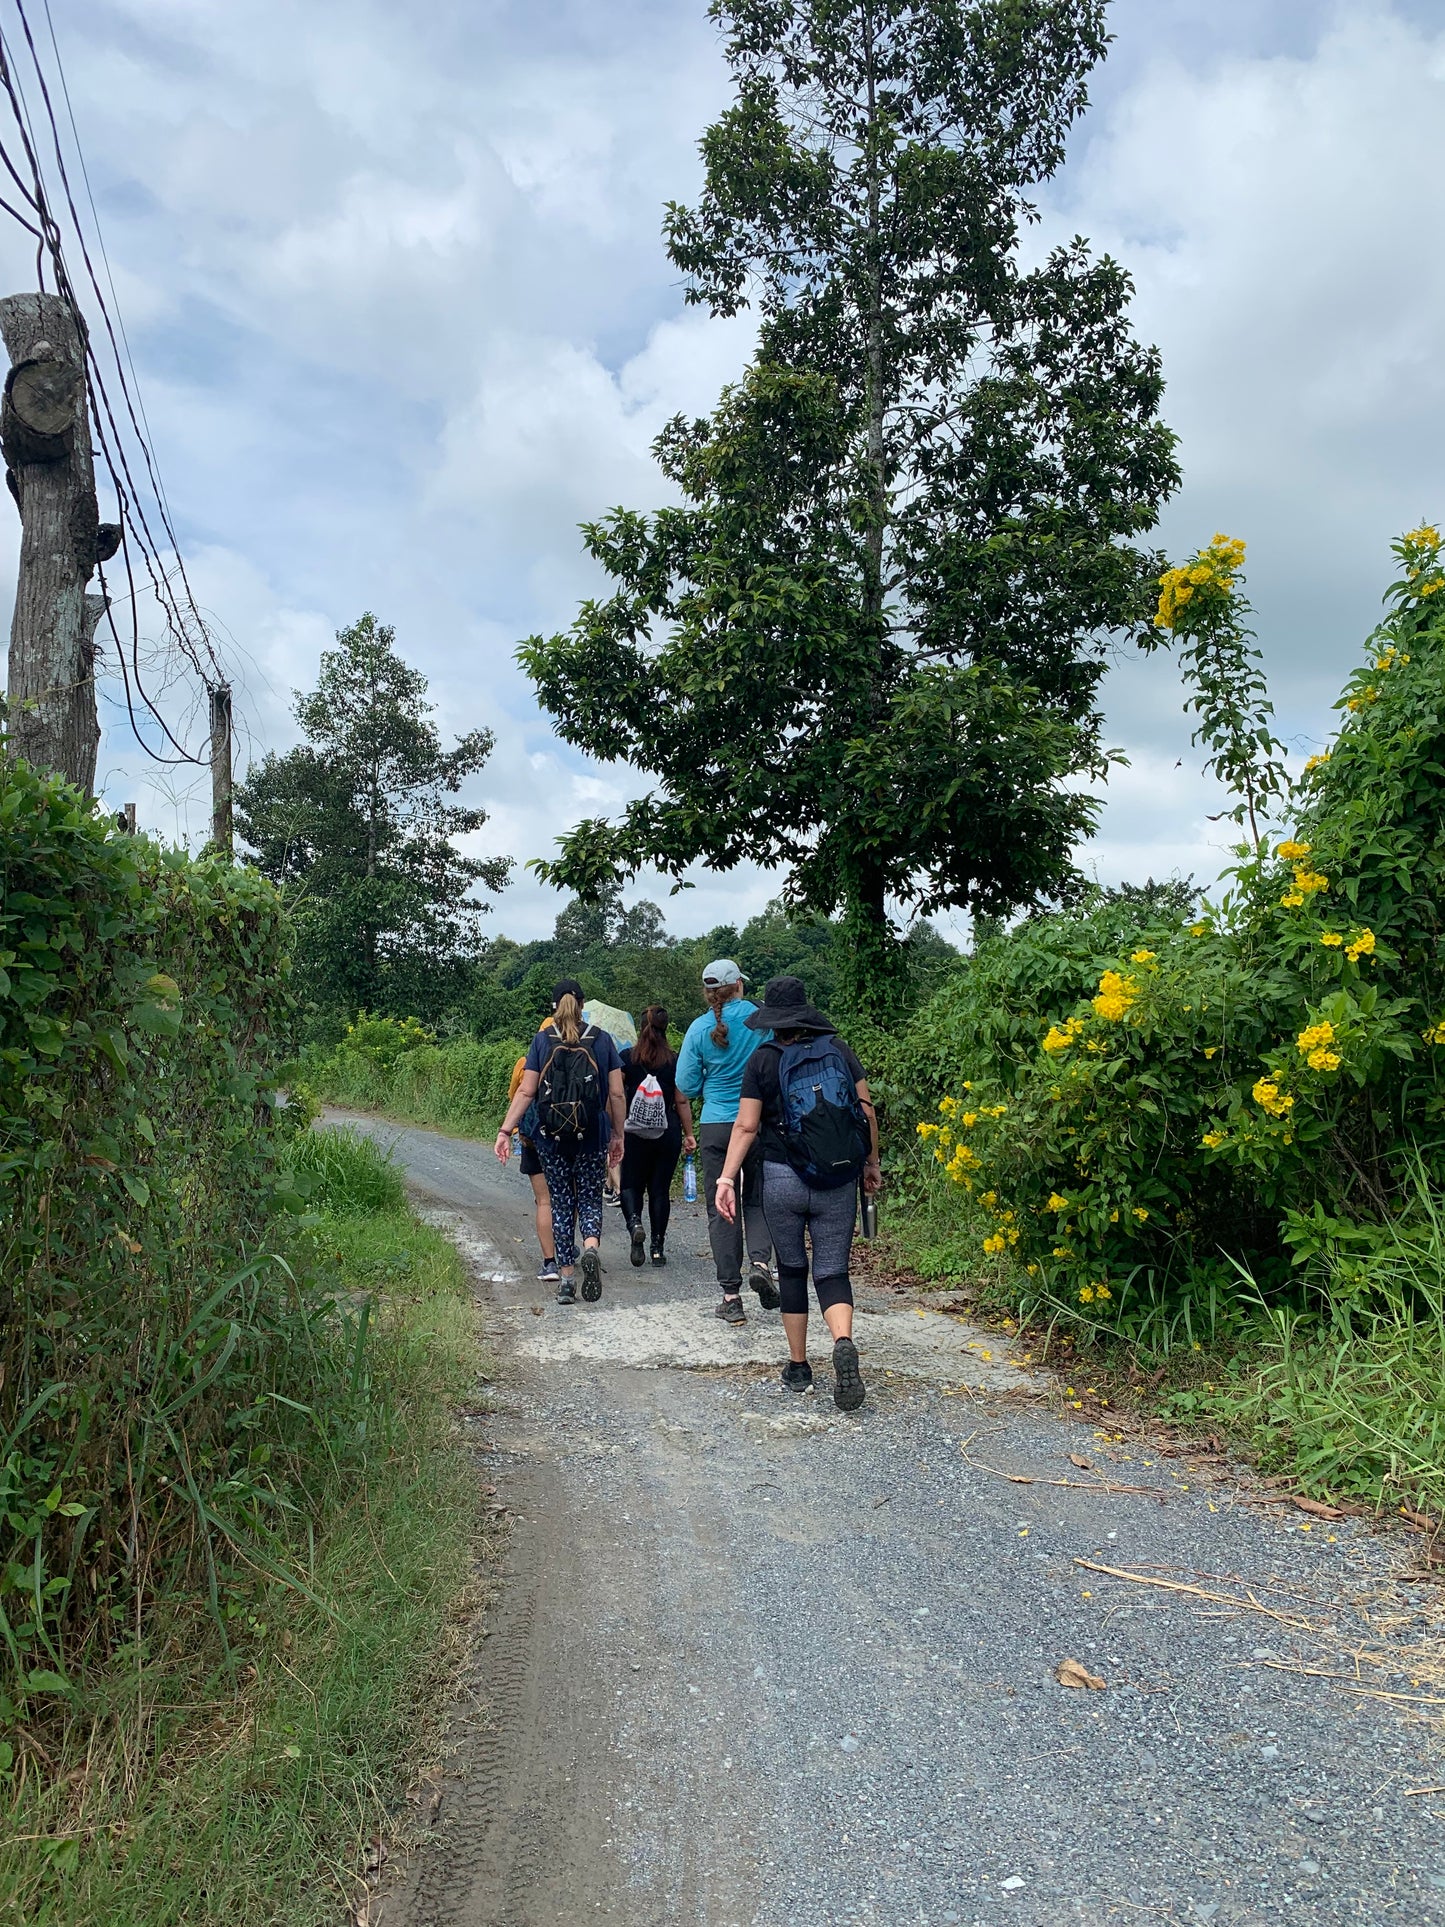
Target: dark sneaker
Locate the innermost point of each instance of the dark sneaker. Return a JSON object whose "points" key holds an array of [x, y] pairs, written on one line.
{"points": [[847, 1379], [659, 1256], [613, 1198], [547, 1271], [797, 1375], [764, 1284], [639, 1243], [731, 1312], [566, 1291], [591, 1275]]}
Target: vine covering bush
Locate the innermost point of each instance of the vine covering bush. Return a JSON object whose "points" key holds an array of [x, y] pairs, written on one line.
{"points": [[1253, 1086], [153, 1361]]}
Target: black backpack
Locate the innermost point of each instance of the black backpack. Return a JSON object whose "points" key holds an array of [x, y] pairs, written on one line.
{"points": [[569, 1091], [824, 1127]]}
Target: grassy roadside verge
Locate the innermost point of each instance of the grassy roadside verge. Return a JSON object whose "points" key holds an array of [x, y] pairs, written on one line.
{"points": [[190, 1784], [461, 1087], [1344, 1398]]}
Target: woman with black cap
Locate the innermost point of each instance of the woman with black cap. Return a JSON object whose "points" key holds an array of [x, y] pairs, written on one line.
{"points": [[805, 1095], [571, 1087]]}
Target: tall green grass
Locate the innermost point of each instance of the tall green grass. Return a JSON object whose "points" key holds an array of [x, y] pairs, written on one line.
{"points": [[347, 1175], [461, 1086], [202, 1777]]}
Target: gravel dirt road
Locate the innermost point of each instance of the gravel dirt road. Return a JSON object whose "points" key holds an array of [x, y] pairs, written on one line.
{"points": [[752, 1663]]}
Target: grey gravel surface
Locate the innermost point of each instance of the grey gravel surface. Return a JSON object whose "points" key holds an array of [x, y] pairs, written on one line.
{"points": [[753, 1663]]}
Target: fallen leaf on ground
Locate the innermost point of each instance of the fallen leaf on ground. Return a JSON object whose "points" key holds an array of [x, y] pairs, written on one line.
{"points": [[1083, 1464], [1317, 1508], [536, 1311], [1420, 1520], [1070, 1673]]}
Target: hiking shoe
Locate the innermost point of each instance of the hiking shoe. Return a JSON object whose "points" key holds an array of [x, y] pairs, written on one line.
{"points": [[547, 1271], [731, 1312], [797, 1375], [847, 1379], [591, 1275], [764, 1284], [659, 1256], [639, 1243], [566, 1291]]}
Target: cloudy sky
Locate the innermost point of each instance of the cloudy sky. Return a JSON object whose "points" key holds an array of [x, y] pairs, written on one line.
{"points": [[393, 282]]}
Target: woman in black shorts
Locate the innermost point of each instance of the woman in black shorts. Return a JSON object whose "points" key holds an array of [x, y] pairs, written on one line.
{"points": [[798, 1213]]}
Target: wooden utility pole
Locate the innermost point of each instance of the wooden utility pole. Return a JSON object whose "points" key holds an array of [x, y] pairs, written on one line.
{"points": [[45, 436], [221, 833]]}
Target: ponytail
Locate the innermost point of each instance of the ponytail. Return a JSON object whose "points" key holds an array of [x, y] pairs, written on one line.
{"points": [[652, 1048], [567, 1019]]}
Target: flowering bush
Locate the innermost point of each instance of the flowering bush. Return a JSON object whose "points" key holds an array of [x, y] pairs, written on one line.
{"points": [[1250, 1084]]}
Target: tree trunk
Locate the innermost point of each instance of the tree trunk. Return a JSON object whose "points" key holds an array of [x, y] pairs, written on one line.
{"points": [[45, 434], [875, 963]]}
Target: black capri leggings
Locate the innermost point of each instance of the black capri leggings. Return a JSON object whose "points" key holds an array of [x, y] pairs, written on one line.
{"points": [[647, 1167], [791, 1208]]}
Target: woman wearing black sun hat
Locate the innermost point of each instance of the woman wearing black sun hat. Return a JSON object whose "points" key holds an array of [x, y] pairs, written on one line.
{"points": [[805, 1095]]}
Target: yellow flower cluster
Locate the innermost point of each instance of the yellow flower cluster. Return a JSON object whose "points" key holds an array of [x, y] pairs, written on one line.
{"points": [[1116, 994], [1307, 883], [1199, 929], [1211, 572], [1140, 1213], [1312, 1036], [1361, 946], [1421, 549], [1331, 939], [1088, 1293], [1293, 852], [1212, 1140], [1141, 956], [994, 1244], [1366, 696], [1268, 1095], [1391, 657], [1059, 1037], [1056, 1203], [1317, 762], [1436, 1032]]}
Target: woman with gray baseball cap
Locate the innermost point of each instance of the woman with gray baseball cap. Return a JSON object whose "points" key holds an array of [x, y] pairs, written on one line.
{"points": [[710, 1066]]}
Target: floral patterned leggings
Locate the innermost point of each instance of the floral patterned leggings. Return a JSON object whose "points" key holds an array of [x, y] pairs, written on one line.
{"points": [[574, 1184]]}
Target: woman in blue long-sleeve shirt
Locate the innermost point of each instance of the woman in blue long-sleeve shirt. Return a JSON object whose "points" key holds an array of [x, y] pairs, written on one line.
{"points": [[710, 1067]]}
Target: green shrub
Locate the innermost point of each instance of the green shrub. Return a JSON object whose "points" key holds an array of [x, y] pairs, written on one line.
{"points": [[1252, 1084], [160, 1373]]}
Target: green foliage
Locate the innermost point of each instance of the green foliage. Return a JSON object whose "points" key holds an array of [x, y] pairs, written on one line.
{"points": [[346, 1175], [179, 1791], [864, 645], [1128, 1122], [356, 829], [160, 1374], [461, 1086]]}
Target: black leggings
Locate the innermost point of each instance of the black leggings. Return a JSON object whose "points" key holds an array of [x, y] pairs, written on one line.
{"points": [[793, 1208], [647, 1166]]}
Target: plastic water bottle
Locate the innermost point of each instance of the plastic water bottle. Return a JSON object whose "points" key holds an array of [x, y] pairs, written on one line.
{"points": [[689, 1178]]}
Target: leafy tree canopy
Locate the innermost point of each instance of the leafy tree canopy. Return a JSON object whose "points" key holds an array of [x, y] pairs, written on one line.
{"points": [[864, 643], [357, 827]]}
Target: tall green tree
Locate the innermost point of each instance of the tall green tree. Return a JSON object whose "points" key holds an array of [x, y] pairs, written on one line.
{"points": [[357, 827], [864, 644]]}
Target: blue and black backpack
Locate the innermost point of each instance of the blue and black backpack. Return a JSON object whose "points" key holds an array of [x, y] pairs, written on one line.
{"points": [[824, 1126]]}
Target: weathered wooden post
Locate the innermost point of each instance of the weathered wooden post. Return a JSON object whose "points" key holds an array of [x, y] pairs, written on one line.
{"points": [[45, 436], [221, 832]]}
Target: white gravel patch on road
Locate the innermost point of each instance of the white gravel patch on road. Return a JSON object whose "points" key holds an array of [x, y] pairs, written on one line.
{"points": [[687, 1336]]}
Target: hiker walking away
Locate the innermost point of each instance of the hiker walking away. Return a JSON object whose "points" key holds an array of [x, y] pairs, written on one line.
{"points": [[710, 1066], [805, 1104], [659, 1130], [572, 1087], [531, 1168]]}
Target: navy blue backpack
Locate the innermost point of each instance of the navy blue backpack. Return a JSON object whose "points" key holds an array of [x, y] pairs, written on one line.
{"points": [[824, 1126]]}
